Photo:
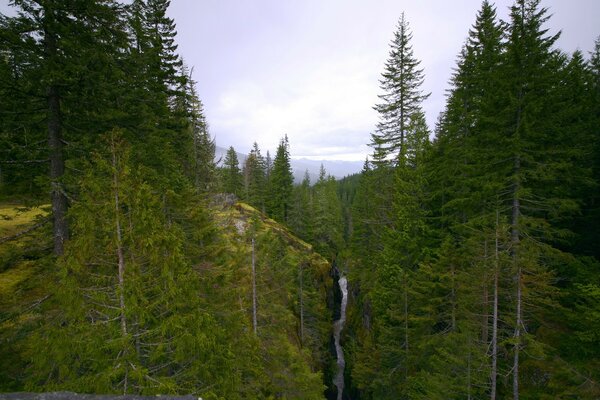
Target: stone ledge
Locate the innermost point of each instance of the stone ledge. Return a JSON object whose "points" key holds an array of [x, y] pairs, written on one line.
{"points": [[77, 396]]}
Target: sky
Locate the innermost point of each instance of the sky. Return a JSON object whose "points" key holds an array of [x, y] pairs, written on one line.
{"points": [[311, 68]]}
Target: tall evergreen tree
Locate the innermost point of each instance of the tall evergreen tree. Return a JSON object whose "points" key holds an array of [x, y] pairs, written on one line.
{"points": [[465, 202], [301, 213], [281, 183], [203, 169], [255, 178], [159, 125], [328, 230], [531, 63], [232, 177], [401, 83], [403, 135], [154, 36], [128, 295], [40, 40]]}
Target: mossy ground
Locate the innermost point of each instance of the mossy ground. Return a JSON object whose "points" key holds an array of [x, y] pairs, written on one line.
{"points": [[23, 284], [14, 218]]}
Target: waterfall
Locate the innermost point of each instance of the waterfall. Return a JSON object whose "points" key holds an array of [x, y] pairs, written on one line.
{"points": [[338, 325]]}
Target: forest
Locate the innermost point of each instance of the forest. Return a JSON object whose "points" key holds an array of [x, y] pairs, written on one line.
{"points": [[134, 262]]}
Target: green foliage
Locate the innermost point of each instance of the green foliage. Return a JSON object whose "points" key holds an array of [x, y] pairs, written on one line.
{"points": [[327, 225], [255, 179], [401, 83], [108, 336], [231, 175], [281, 183], [472, 259], [286, 357], [301, 212]]}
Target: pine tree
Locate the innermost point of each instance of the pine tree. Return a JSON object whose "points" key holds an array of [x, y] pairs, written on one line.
{"points": [[281, 183], [254, 172], [129, 296], [327, 233], [53, 75], [402, 96], [232, 177], [464, 198], [203, 161], [159, 125], [301, 213]]}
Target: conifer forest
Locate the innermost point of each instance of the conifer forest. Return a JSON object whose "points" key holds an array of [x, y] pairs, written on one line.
{"points": [[462, 262]]}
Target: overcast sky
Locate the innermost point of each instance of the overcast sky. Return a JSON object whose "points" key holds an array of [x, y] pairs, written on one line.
{"points": [[310, 68]]}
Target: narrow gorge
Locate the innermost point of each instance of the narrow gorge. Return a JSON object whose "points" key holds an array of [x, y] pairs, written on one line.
{"points": [[338, 325]]}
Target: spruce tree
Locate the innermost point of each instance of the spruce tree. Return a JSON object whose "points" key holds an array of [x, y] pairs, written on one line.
{"points": [[254, 172], [401, 83], [232, 177], [40, 40], [159, 125], [281, 183], [531, 63], [128, 316], [301, 213], [464, 186], [400, 144], [327, 232], [203, 168]]}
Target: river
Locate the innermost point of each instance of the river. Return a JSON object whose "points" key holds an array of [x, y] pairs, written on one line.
{"points": [[338, 325]]}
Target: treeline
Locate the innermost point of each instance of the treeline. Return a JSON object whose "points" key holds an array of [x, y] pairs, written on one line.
{"points": [[474, 257], [137, 286], [313, 211]]}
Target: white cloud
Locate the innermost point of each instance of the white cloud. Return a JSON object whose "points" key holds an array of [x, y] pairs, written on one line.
{"points": [[310, 68], [310, 105]]}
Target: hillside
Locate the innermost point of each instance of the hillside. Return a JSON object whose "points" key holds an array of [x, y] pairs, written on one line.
{"points": [[293, 325]]}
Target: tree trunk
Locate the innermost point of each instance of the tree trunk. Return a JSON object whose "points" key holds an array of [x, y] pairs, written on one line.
{"points": [[120, 257], [406, 325], [469, 372], [254, 321], [453, 298], [494, 372], [55, 143], [518, 274], [485, 299], [301, 305]]}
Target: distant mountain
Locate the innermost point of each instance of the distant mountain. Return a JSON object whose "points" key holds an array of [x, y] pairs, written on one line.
{"points": [[337, 169], [220, 153]]}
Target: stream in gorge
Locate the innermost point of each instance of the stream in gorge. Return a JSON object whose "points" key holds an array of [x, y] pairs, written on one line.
{"points": [[338, 325]]}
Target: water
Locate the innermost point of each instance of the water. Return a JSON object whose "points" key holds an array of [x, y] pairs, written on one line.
{"points": [[338, 325]]}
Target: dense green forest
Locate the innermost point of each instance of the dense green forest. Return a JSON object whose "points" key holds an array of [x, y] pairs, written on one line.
{"points": [[133, 262]]}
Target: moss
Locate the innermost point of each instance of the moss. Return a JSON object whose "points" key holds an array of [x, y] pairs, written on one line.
{"points": [[11, 278], [14, 218]]}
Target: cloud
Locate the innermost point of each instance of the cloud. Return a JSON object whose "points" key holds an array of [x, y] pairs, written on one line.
{"points": [[325, 109], [311, 68]]}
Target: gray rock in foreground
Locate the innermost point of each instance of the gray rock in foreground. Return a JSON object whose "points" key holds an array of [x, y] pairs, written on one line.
{"points": [[76, 396]]}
